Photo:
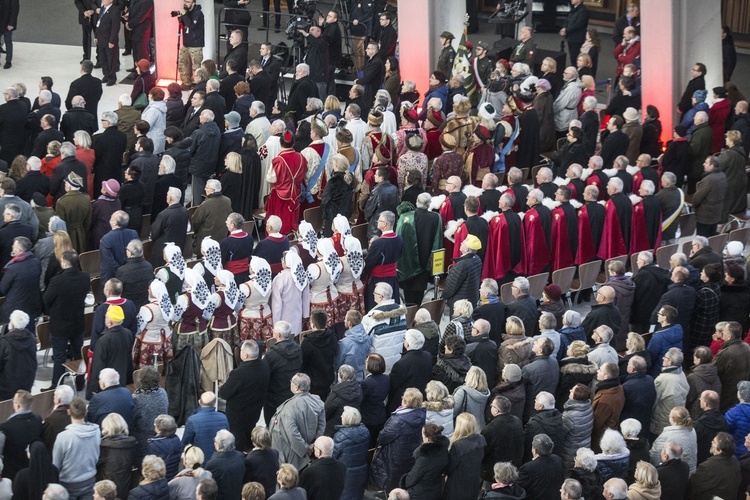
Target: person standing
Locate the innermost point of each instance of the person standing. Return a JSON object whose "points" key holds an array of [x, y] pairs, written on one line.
{"points": [[576, 26], [317, 58], [708, 199], [12, 125], [447, 54], [8, 24], [191, 52], [86, 16], [107, 36], [140, 20], [286, 175], [76, 452]]}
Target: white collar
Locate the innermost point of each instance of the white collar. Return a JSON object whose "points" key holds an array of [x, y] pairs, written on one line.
{"points": [[275, 235]]}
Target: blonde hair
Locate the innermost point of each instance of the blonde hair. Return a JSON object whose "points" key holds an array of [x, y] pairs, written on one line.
{"points": [[466, 425], [412, 398], [261, 437], [587, 81], [436, 391], [476, 379], [587, 61], [113, 424], [579, 348], [636, 341], [287, 477], [681, 416], [514, 326], [191, 457], [234, 162], [153, 468], [646, 475], [463, 308], [551, 63], [332, 103], [62, 243]]}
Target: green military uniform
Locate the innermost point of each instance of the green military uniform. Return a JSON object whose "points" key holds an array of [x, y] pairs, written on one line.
{"points": [[524, 52], [447, 55]]}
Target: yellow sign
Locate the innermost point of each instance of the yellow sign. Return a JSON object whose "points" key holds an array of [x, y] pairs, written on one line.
{"points": [[438, 262]]}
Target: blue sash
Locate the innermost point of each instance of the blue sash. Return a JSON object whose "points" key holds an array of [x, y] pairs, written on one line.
{"points": [[305, 194], [500, 163]]}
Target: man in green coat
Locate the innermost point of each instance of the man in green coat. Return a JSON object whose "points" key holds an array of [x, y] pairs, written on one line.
{"points": [[422, 233], [74, 207], [447, 55]]}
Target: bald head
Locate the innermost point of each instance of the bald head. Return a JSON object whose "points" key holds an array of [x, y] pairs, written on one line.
{"points": [[606, 295]]}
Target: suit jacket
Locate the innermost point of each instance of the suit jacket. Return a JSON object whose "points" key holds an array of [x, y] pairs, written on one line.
{"points": [[141, 12], [90, 88], [108, 30], [372, 78], [9, 15], [262, 86], [78, 119], [237, 54], [192, 121], [272, 66], [109, 147], [84, 5], [169, 225], [64, 302]]}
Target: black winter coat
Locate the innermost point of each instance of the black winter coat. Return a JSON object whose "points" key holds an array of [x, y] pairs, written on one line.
{"points": [[651, 283], [158, 490], [504, 438], [64, 300], [547, 422], [336, 198], [136, 274], [424, 480], [301, 90], [464, 468], [205, 150], [33, 182], [245, 392], [591, 482], [109, 147], [183, 384], [542, 478], [734, 304], [463, 280], [77, 119], [639, 450], [180, 153], [451, 369], [602, 314], [707, 425], [20, 286], [116, 460], [412, 370], [19, 432], [573, 371], [17, 362], [674, 477], [640, 395], [318, 355], [525, 308], [495, 314], [284, 359], [12, 128], [341, 395]]}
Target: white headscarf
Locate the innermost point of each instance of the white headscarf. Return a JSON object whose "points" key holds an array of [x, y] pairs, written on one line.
{"points": [[177, 265], [299, 274], [308, 237], [231, 292], [197, 288], [261, 277], [354, 255], [330, 258], [341, 224], [159, 291], [211, 255]]}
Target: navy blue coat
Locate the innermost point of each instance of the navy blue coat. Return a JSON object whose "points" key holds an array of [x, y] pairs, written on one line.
{"points": [[374, 391], [115, 399], [112, 251], [20, 286], [168, 449], [350, 445], [401, 435], [228, 470], [640, 395], [158, 490]]}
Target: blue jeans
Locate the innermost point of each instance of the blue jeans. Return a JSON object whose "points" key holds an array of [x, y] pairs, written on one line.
{"points": [[60, 353], [8, 36]]}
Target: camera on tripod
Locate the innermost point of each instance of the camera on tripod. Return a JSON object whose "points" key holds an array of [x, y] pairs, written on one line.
{"points": [[304, 11]]}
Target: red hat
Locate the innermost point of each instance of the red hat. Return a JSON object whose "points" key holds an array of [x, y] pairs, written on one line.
{"points": [[505, 63], [553, 291], [412, 115], [143, 65], [469, 45], [435, 117], [482, 132], [383, 153]]}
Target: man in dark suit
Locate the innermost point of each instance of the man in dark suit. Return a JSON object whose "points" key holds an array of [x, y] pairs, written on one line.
{"points": [[78, 118], [226, 86], [68, 164], [332, 36], [10, 230], [9, 24], [272, 67], [33, 119], [260, 84], [64, 302], [169, 226], [372, 75], [576, 25], [140, 20], [543, 476], [21, 428], [216, 103], [237, 53], [12, 125], [387, 36], [86, 17], [109, 147], [193, 116], [48, 134], [245, 392], [107, 39], [86, 86]]}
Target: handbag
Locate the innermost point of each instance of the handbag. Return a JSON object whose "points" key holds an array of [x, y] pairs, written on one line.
{"points": [[141, 102]]}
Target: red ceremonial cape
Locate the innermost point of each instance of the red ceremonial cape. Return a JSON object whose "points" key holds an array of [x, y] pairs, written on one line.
{"points": [[586, 248], [497, 260], [561, 253], [446, 214], [537, 253], [594, 180], [613, 244], [433, 149], [639, 240]]}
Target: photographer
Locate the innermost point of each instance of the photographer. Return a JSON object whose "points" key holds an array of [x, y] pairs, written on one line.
{"points": [[191, 53], [317, 58], [332, 36]]}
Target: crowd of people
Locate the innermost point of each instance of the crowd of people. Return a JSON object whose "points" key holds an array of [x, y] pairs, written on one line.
{"points": [[305, 329]]}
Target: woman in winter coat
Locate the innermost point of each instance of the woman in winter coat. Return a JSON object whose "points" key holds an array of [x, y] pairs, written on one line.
{"points": [[734, 304], [288, 481], [512, 387], [175, 106], [262, 463], [703, 377], [571, 330], [646, 485], [337, 193], [30, 483], [425, 479], [439, 404], [514, 349], [451, 368], [463, 475], [472, 396], [401, 435], [680, 430], [375, 388], [156, 116], [635, 345], [707, 304], [638, 446], [505, 486], [153, 486], [543, 106], [575, 369], [585, 472], [182, 487], [166, 444], [614, 459], [461, 323], [578, 422], [350, 445], [149, 401], [347, 392], [117, 453]]}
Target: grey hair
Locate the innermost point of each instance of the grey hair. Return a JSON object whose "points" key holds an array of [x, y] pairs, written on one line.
{"points": [[14, 210], [224, 439], [109, 116], [505, 472], [68, 149], [630, 427], [415, 339], [612, 443], [213, 85], [489, 285], [315, 103], [82, 138], [622, 161], [250, 347], [110, 377], [547, 321], [302, 381], [436, 103], [422, 316], [304, 68], [542, 444], [648, 186], [522, 68], [135, 247], [214, 184], [507, 199], [19, 319], [646, 257], [279, 126], [283, 328], [64, 393], [537, 194], [678, 258], [670, 178], [573, 489], [384, 289], [546, 399], [45, 96], [700, 117], [34, 163], [672, 450], [675, 356], [125, 100], [55, 491], [388, 217], [121, 218], [207, 114], [78, 101], [572, 318], [590, 102], [597, 160], [616, 183], [743, 389], [236, 220], [347, 373], [169, 164], [522, 284], [546, 173], [174, 194], [605, 333], [274, 223], [586, 458], [424, 200], [617, 487], [701, 241], [259, 107]]}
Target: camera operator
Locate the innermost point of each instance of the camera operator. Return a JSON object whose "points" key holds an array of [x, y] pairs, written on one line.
{"points": [[332, 36], [191, 53], [317, 58]]}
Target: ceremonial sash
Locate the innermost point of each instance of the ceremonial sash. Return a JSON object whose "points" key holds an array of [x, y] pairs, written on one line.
{"points": [[305, 194], [384, 271], [500, 163]]}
